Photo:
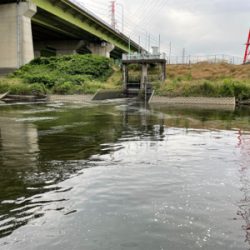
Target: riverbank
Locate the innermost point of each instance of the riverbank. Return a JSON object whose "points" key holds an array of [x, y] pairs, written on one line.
{"points": [[86, 74], [71, 98], [210, 101], [65, 75], [206, 80]]}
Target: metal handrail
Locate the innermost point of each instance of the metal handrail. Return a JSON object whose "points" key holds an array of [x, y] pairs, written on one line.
{"points": [[137, 56]]}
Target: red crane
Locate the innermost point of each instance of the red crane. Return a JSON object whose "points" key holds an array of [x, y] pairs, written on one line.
{"points": [[247, 52]]}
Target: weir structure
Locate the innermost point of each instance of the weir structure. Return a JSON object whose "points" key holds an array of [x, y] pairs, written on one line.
{"points": [[134, 86], [32, 28]]}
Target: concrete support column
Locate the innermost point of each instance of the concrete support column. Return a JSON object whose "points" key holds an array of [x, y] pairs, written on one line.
{"points": [[16, 41], [102, 49], [163, 70], [125, 76], [144, 74], [64, 47]]}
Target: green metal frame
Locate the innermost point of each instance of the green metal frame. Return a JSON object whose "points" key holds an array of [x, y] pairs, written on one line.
{"points": [[52, 27], [84, 21]]}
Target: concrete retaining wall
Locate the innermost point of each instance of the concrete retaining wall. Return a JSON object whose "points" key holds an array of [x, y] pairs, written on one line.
{"points": [[108, 94], [194, 100], [70, 98]]}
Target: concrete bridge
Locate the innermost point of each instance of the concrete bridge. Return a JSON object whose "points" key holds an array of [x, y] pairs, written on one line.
{"points": [[31, 28]]}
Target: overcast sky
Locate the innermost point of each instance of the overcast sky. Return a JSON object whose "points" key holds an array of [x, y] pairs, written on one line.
{"points": [[200, 26]]}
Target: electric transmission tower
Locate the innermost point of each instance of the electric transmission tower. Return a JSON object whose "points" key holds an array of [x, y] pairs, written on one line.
{"points": [[247, 52], [112, 8]]}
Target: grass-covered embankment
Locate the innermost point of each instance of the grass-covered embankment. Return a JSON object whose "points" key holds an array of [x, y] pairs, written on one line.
{"points": [[208, 80], [75, 74], [85, 74]]}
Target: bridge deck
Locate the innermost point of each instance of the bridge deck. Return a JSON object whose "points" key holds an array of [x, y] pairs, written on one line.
{"points": [[9, 1], [63, 17]]}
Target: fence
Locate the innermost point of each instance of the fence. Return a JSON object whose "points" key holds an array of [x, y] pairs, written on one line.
{"points": [[208, 58]]}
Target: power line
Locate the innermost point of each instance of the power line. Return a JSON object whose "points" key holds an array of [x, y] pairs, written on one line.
{"points": [[132, 28]]}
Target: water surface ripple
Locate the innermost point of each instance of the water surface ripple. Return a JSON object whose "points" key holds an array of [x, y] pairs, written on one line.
{"points": [[122, 176]]}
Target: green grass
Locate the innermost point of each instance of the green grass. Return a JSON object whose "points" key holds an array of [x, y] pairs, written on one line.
{"points": [[16, 86], [75, 74], [85, 74], [206, 79], [207, 88]]}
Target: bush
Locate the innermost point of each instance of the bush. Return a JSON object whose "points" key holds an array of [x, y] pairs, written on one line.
{"points": [[65, 74], [16, 87], [242, 90], [227, 88], [38, 89], [4, 87], [209, 89], [92, 87], [19, 89], [64, 88], [95, 66], [48, 80], [80, 79], [41, 60]]}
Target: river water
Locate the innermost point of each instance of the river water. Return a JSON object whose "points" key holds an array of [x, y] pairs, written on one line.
{"points": [[123, 176]]}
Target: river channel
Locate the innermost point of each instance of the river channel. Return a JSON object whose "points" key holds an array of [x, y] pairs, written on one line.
{"points": [[118, 176]]}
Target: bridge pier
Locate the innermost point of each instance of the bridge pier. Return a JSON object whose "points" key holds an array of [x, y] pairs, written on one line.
{"points": [[144, 75], [16, 41], [102, 49], [65, 47]]}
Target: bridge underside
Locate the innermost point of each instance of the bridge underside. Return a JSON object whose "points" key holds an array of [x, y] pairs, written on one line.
{"points": [[54, 27], [49, 29], [9, 1]]}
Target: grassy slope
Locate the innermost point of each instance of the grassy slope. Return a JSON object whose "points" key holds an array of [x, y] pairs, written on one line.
{"points": [[87, 73], [204, 79], [76, 74], [210, 71]]}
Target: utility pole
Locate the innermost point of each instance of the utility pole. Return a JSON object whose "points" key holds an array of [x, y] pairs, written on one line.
{"points": [[170, 51], [183, 55], [139, 48], [129, 47], [149, 43], [159, 43]]}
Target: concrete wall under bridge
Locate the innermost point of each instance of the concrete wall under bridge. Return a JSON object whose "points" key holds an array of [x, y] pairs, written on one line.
{"points": [[31, 28], [16, 42], [17, 46]]}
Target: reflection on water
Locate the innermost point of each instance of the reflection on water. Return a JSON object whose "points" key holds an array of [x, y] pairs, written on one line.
{"points": [[17, 141], [244, 204], [122, 176]]}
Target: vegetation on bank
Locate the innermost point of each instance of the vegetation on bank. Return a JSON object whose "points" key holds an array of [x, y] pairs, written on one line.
{"points": [[85, 74], [208, 88], [74, 74], [204, 79]]}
